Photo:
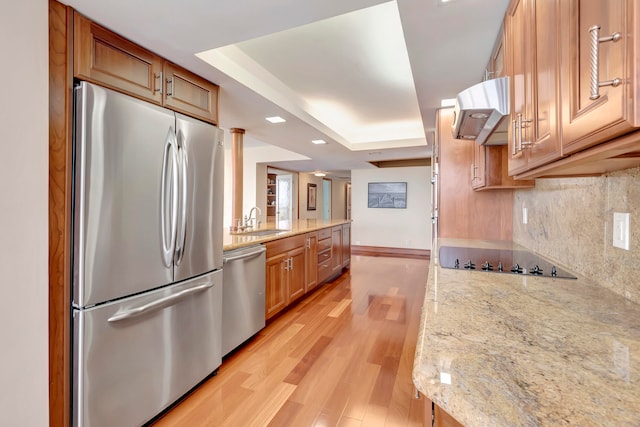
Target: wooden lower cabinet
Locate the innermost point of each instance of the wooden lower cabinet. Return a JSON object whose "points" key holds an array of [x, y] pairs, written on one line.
{"points": [[285, 271], [298, 264], [435, 416], [324, 254], [311, 261], [442, 419], [346, 245], [336, 249]]}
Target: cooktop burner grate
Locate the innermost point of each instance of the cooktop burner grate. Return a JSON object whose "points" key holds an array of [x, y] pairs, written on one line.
{"points": [[499, 261]]}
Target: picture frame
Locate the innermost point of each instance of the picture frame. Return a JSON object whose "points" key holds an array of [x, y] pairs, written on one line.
{"points": [[387, 195], [312, 196]]}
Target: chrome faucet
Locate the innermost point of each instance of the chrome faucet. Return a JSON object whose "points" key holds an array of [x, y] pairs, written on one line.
{"points": [[247, 220]]}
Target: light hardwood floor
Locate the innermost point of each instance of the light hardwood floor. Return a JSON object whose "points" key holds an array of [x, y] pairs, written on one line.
{"points": [[341, 357]]}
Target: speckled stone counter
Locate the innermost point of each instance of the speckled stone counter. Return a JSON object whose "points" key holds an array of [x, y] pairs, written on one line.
{"points": [[509, 350], [290, 228]]}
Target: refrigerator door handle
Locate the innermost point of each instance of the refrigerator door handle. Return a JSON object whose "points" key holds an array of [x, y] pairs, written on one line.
{"points": [[170, 206], [182, 191], [159, 303]]}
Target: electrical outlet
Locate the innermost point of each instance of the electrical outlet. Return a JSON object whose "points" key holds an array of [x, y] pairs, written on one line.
{"points": [[524, 215], [621, 230]]}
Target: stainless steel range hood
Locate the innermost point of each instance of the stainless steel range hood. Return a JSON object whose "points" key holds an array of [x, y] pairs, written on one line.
{"points": [[481, 112]]}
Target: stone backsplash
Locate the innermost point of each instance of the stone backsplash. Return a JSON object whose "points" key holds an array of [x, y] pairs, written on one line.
{"points": [[570, 221]]}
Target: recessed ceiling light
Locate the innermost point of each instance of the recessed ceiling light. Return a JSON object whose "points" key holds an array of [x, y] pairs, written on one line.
{"points": [[276, 119], [448, 102], [319, 141], [320, 174]]}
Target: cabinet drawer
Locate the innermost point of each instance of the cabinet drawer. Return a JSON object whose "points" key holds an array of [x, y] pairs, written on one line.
{"points": [[324, 244], [324, 233], [284, 245], [324, 257]]}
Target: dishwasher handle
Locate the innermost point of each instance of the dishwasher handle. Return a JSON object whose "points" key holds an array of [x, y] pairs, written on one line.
{"points": [[244, 256]]}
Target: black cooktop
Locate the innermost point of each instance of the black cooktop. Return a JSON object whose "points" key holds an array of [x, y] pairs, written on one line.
{"points": [[499, 261]]}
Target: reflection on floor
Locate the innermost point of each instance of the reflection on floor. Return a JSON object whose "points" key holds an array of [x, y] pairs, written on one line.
{"points": [[341, 357]]}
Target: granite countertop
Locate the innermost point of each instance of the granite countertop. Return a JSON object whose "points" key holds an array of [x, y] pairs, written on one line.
{"points": [[510, 350], [290, 228]]}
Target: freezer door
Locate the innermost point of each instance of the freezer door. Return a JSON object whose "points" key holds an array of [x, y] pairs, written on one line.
{"points": [[138, 355], [199, 241], [121, 145]]}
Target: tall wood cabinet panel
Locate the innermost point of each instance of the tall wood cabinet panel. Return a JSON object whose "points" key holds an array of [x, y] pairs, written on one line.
{"points": [[532, 62], [346, 245], [463, 212], [103, 57], [336, 249], [589, 118]]}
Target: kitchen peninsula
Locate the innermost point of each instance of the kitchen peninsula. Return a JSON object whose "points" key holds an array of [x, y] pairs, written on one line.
{"points": [[516, 350]]}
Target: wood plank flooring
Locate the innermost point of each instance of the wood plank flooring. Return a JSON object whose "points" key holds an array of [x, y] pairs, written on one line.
{"points": [[341, 357]]}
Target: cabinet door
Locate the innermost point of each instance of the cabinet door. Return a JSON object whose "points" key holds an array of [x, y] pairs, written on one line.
{"points": [[296, 273], [103, 57], [515, 44], [587, 121], [532, 48], [540, 126], [311, 262], [276, 284], [190, 94], [442, 419], [336, 249], [478, 171], [346, 244]]}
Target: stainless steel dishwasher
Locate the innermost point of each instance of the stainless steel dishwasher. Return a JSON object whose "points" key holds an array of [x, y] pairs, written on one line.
{"points": [[243, 295]]}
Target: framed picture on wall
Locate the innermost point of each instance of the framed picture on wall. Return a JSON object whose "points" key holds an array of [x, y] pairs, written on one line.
{"points": [[312, 193], [391, 195]]}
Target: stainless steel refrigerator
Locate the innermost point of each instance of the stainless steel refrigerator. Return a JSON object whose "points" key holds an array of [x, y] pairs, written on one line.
{"points": [[147, 257]]}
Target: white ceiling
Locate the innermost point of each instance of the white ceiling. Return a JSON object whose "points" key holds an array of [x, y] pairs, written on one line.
{"points": [[365, 75]]}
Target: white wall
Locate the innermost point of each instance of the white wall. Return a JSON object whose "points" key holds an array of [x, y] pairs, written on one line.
{"points": [[23, 217], [304, 179], [338, 199], [392, 228]]}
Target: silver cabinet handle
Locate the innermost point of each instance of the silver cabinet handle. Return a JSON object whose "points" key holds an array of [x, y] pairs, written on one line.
{"points": [[290, 263], [159, 303], [170, 84], [514, 150], [286, 264], [521, 145], [596, 84], [157, 82]]}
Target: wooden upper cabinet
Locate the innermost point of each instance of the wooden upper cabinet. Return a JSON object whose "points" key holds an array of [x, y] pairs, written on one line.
{"points": [[532, 55], [190, 94], [593, 115], [490, 170], [103, 57]]}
